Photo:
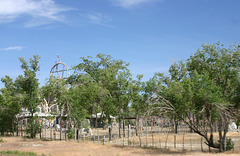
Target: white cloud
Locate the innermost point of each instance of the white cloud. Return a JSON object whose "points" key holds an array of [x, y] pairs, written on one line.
{"points": [[41, 11], [12, 48], [131, 3], [100, 19]]}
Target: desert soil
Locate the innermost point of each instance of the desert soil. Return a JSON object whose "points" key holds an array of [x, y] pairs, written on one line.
{"points": [[71, 148]]}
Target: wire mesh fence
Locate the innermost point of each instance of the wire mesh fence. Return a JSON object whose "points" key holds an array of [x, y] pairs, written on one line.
{"points": [[144, 133]]}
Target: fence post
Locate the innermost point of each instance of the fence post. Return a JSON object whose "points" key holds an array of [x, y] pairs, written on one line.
{"points": [[146, 133], [128, 133], [21, 128], [50, 132], [175, 141], [40, 129], [183, 140], [80, 135], [110, 134], [45, 125], [60, 128], [98, 134], [104, 140], [152, 132], [75, 136], [123, 138], [65, 135], [17, 126], [49, 129]]}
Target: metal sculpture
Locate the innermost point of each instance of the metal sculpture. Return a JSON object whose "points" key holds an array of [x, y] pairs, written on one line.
{"points": [[60, 70]]}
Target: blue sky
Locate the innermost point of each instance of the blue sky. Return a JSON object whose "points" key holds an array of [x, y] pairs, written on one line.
{"points": [[149, 34]]}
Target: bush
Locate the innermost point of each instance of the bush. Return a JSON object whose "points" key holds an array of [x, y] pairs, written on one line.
{"points": [[230, 144], [71, 134]]}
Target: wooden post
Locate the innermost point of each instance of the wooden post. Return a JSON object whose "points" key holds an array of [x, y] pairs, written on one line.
{"points": [[139, 134], [183, 140], [136, 121], [17, 126], [146, 133], [40, 131], [175, 141], [129, 130], [110, 133], [201, 144], [21, 128], [123, 127], [55, 134], [152, 132], [118, 139], [104, 140], [161, 126], [132, 133], [65, 135], [123, 137], [98, 134], [60, 128], [80, 135], [75, 129], [128, 133], [45, 129], [49, 129]]}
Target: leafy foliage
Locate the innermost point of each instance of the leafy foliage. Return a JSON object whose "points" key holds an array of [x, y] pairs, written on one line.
{"points": [[27, 87], [201, 91]]}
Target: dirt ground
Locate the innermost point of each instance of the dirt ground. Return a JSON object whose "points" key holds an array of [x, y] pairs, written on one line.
{"points": [[71, 148]]}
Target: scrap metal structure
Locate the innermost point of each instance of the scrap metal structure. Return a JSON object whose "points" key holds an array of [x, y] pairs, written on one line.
{"points": [[60, 70]]}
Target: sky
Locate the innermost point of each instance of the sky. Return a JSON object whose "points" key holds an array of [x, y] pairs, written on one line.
{"points": [[149, 34]]}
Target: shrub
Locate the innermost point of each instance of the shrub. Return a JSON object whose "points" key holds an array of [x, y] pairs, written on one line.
{"points": [[71, 134], [230, 144]]}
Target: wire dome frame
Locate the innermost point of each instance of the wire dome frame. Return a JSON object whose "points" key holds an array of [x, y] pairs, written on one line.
{"points": [[60, 70]]}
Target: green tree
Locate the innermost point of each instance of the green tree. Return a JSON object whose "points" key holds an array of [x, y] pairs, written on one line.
{"points": [[205, 93], [28, 86], [10, 102], [83, 94], [113, 77]]}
